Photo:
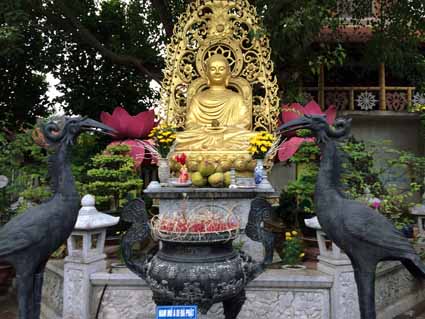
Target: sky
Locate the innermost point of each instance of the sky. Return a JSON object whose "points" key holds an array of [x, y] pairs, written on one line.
{"points": [[52, 92]]}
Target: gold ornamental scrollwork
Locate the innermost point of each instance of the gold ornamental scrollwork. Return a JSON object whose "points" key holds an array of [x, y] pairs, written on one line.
{"points": [[226, 27]]}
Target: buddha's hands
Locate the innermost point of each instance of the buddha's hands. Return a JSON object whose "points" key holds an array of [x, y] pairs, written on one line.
{"points": [[214, 129], [215, 123]]}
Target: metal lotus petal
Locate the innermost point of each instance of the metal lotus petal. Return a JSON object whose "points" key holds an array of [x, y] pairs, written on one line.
{"points": [[128, 126]]}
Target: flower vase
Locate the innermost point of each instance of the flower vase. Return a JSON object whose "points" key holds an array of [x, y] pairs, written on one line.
{"points": [[163, 170], [260, 175], [258, 171]]}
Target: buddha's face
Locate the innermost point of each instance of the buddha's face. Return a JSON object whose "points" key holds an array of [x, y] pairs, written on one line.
{"points": [[218, 71]]}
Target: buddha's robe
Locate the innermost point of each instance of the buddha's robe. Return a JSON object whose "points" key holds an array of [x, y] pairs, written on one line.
{"points": [[231, 112]]}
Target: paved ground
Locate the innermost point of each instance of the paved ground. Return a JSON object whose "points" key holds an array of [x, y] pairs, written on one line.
{"points": [[8, 307]]}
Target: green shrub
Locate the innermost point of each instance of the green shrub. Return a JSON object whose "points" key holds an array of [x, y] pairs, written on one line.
{"points": [[359, 173], [113, 178]]}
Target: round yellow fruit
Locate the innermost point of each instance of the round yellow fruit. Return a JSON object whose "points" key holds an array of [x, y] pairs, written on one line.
{"points": [[240, 165], [216, 180], [206, 168], [227, 178], [198, 180]]}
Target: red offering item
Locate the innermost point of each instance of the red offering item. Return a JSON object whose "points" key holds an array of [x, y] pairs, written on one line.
{"points": [[184, 175], [202, 226], [181, 158]]}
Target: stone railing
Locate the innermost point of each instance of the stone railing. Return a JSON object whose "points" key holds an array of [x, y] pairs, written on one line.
{"points": [[357, 98], [273, 295]]}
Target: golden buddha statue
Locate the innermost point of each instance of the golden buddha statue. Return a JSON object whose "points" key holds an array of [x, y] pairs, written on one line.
{"points": [[218, 86], [218, 118]]}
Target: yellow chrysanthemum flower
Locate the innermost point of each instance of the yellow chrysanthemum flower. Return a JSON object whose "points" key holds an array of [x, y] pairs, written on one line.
{"points": [[294, 233]]}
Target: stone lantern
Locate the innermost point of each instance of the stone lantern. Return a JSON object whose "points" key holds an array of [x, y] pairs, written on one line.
{"points": [[85, 256]]}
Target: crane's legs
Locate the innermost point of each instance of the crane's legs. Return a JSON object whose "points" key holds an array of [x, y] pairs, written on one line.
{"points": [[25, 285], [38, 285], [365, 280]]}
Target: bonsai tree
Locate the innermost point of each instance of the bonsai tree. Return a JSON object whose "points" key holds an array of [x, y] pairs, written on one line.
{"points": [[113, 178]]}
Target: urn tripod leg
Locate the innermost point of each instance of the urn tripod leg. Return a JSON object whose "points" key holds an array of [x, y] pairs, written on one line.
{"points": [[233, 306]]}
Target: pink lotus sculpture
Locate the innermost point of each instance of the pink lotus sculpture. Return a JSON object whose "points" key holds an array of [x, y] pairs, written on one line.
{"points": [[130, 129], [127, 126], [140, 151], [293, 111]]}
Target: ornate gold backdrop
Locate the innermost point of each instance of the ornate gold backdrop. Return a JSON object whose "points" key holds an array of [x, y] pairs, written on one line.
{"points": [[231, 28]]}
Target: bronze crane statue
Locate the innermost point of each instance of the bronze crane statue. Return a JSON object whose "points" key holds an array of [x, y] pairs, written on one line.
{"points": [[28, 240], [366, 236]]}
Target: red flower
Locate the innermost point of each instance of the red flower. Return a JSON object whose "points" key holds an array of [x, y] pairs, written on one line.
{"points": [[128, 126], [293, 111], [181, 158]]}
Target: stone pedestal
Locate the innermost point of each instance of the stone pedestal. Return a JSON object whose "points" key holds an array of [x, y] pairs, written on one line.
{"points": [[344, 300], [173, 199], [85, 257], [334, 262], [77, 288]]}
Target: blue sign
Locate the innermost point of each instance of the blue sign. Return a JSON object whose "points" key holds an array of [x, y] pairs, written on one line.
{"points": [[177, 312]]}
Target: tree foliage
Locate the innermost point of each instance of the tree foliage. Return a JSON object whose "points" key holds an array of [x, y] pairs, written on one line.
{"points": [[107, 52], [22, 81]]}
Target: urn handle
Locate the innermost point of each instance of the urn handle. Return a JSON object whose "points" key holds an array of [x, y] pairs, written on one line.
{"points": [[135, 214]]}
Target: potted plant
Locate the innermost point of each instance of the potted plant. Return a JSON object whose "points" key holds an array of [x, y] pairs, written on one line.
{"points": [[113, 177], [292, 253], [113, 180]]}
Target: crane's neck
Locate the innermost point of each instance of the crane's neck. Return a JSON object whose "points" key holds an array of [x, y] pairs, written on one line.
{"points": [[61, 174], [328, 179]]}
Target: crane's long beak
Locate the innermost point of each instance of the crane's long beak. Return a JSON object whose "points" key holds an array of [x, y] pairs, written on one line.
{"points": [[299, 123], [95, 126]]}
